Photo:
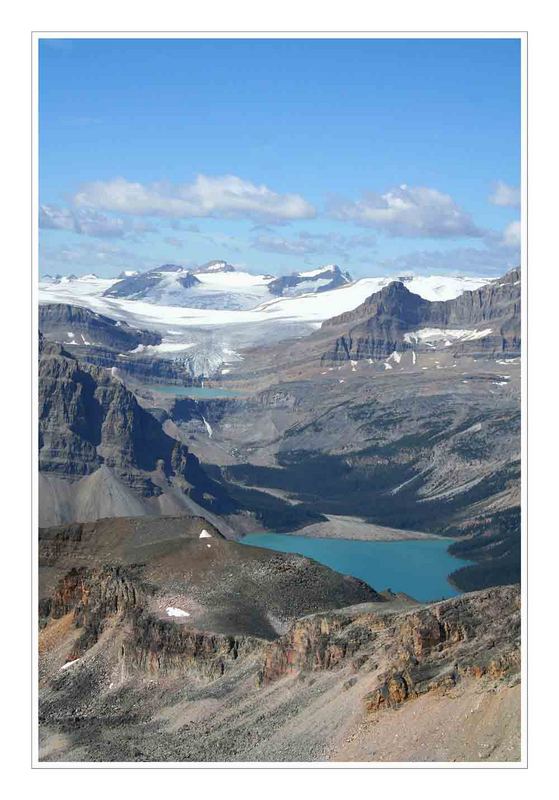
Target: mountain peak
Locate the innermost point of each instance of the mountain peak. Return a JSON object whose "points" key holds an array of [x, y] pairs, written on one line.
{"points": [[393, 300], [216, 266], [394, 288], [315, 280], [169, 268], [332, 270]]}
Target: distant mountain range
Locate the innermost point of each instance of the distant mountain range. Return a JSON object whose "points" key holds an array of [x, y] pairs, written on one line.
{"points": [[220, 296], [202, 318], [219, 285]]}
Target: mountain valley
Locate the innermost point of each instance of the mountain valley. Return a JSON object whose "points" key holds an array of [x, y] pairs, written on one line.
{"points": [[331, 408]]}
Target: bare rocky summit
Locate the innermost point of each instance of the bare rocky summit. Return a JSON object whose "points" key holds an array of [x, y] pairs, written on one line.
{"points": [[226, 587]]}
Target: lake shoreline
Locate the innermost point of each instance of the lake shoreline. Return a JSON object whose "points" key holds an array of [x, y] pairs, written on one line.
{"points": [[418, 567], [356, 529]]}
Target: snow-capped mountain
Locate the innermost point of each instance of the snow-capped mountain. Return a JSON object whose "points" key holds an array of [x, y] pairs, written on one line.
{"points": [[175, 296], [162, 285], [57, 279], [219, 308], [316, 280], [216, 285], [215, 266]]}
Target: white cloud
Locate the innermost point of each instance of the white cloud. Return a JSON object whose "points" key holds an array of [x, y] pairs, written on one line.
{"points": [[298, 246], [505, 195], [409, 211], [56, 218], [226, 196], [512, 235], [90, 256], [459, 261], [500, 252], [88, 221], [305, 243]]}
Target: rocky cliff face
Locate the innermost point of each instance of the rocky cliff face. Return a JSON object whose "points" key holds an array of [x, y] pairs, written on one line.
{"points": [[498, 300], [144, 369], [88, 421], [487, 319], [104, 342], [86, 418], [95, 598], [119, 682], [75, 326], [410, 652]]}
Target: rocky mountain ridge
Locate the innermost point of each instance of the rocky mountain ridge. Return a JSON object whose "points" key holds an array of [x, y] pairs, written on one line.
{"points": [[184, 563], [76, 326], [319, 280], [146, 284], [102, 341], [394, 319], [90, 424], [123, 676]]}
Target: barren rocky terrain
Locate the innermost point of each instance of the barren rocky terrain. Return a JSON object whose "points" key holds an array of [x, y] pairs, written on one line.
{"points": [[124, 676]]}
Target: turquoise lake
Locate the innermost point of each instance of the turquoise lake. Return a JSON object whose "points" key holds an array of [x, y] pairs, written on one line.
{"points": [[195, 392], [417, 567]]}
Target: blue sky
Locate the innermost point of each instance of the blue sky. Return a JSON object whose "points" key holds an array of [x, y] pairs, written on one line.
{"points": [[381, 155]]}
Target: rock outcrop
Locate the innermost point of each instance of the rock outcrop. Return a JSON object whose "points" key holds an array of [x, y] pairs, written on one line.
{"points": [[487, 319], [75, 326], [96, 598], [88, 421], [408, 652], [122, 682], [226, 587]]}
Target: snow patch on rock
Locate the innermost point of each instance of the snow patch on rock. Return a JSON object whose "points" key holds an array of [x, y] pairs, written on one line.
{"points": [[176, 612]]}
